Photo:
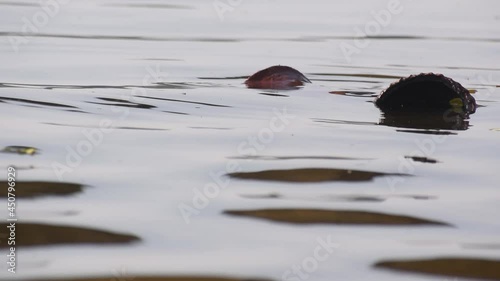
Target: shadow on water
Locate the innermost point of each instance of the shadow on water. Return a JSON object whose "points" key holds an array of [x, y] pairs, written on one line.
{"points": [[152, 278], [38, 188], [319, 216], [311, 175], [34, 234], [447, 266]]}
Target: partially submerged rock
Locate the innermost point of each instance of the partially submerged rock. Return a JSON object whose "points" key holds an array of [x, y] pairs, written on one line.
{"points": [[277, 77], [426, 92]]}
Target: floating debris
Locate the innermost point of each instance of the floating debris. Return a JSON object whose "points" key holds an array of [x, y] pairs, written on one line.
{"points": [[23, 150]]}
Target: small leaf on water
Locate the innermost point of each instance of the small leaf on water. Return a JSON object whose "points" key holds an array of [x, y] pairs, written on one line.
{"points": [[456, 102], [27, 150]]}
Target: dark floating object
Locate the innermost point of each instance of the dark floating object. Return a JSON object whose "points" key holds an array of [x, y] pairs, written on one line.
{"points": [[151, 278], [28, 189], [318, 216], [427, 92], [310, 175], [453, 267], [34, 234], [277, 77]]}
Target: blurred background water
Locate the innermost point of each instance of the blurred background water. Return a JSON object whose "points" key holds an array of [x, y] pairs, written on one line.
{"points": [[131, 118]]}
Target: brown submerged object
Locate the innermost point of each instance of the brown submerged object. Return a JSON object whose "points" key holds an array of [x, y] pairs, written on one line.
{"points": [[426, 92], [277, 77]]}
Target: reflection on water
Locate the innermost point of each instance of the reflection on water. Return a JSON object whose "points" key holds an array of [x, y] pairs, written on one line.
{"points": [[454, 267], [440, 120], [34, 234], [311, 175], [38, 188], [316, 216], [339, 167]]}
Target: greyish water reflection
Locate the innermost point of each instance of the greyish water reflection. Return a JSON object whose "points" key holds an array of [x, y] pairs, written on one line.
{"points": [[170, 139]]}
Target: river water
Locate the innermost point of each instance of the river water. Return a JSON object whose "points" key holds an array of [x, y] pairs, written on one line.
{"points": [[140, 152]]}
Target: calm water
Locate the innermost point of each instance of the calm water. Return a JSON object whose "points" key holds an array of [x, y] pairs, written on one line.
{"points": [[143, 104]]}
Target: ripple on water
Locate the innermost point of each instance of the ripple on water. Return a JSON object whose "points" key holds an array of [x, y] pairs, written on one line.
{"points": [[30, 189], [321, 216], [311, 175], [47, 234], [447, 266]]}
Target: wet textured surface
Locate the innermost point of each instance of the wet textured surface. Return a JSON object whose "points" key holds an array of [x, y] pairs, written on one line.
{"points": [[132, 118]]}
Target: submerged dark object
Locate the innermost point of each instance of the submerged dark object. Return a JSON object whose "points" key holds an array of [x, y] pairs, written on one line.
{"points": [[277, 77], [426, 92]]}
